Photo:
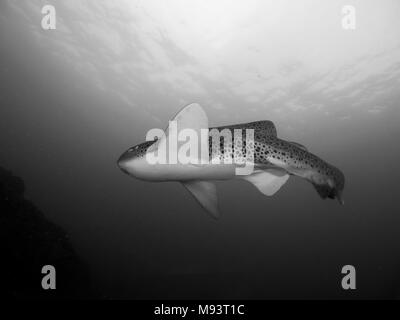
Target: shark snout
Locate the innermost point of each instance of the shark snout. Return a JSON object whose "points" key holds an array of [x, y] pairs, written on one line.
{"points": [[122, 162]]}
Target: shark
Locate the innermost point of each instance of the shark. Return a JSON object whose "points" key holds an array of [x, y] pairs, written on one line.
{"points": [[273, 161]]}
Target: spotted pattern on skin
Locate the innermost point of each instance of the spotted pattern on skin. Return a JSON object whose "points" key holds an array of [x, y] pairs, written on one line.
{"points": [[327, 179], [224, 152], [139, 151], [268, 149]]}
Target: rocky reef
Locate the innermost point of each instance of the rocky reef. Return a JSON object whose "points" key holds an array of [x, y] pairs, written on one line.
{"points": [[28, 241]]}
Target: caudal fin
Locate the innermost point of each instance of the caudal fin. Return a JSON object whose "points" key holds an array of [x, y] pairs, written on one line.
{"points": [[327, 191]]}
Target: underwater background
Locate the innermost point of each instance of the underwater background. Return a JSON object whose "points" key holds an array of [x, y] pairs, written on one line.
{"points": [[73, 99]]}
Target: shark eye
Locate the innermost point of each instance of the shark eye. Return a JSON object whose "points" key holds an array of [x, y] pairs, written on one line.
{"points": [[136, 147]]}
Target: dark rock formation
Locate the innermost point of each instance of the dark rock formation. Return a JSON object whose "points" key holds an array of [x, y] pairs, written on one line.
{"points": [[28, 241]]}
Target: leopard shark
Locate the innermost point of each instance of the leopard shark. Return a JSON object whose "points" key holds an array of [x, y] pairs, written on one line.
{"points": [[273, 160]]}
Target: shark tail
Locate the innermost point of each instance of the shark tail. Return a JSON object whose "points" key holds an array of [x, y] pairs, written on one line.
{"points": [[326, 191]]}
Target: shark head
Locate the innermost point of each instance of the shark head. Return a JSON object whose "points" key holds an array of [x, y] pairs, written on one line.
{"points": [[157, 159], [133, 162]]}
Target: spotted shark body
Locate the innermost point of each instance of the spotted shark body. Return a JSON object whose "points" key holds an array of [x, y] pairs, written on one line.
{"points": [[272, 152], [274, 161]]}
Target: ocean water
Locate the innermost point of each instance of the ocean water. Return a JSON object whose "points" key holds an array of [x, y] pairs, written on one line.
{"points": [[73, 98]]}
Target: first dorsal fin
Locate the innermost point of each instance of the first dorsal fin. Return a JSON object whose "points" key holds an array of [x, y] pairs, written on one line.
{"points": [[269, 128], [205, 192]]}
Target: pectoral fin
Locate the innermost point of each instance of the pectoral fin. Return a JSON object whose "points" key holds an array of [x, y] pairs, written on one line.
{"points": [[205, 192], [268, 181], [191, 117]]}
